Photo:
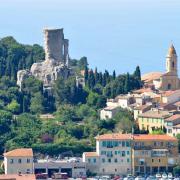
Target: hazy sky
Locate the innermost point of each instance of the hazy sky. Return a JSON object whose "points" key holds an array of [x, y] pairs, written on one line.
{"points": [[113, 34]]}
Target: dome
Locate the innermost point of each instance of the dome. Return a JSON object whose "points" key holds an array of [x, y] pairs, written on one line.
{"points": [[171, 50]]}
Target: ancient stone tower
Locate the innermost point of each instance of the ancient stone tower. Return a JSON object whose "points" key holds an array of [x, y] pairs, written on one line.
{"points": [[56, 47], [56, 63]]}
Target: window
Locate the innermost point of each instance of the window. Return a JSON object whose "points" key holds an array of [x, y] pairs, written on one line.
{"points": [[159, 160], [28, 171], [115, 152], [128, 160], [115, 160], [123, 143], [169, 86], [127, 152], [103, 152], [94, 160], [89, 160], [109, 160], [19, 161], [103, 160], [28, 160], [169, 130], [115, 143], [152, 160], [123, 153], [115, 170], [11, 161], [104, 143], [127, 144]]}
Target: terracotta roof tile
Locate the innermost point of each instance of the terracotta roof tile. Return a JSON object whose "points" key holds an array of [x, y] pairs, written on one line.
{"points": [[173, 117], [155, 114], [118, 136], [114, 136], [149, 77], [17, 177], [150, 137], [23, 152], [169, 93], [91, 154]]}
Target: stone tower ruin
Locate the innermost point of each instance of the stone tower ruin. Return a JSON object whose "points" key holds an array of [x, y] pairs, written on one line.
{"points": [[56, 63]]}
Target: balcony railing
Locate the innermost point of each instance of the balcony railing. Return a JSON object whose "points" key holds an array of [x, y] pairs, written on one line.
{"points": [[142, 147]]}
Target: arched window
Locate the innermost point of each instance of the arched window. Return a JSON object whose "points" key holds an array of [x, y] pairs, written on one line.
{"points": [[173, 64], [169, 86]]}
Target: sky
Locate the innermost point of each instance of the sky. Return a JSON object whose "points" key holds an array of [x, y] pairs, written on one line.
{"points": [[112, 34]]}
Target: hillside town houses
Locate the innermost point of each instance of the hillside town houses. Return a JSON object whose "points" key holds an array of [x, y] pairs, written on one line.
{"points": [[156, 106], [132, 154], [151, 108]]}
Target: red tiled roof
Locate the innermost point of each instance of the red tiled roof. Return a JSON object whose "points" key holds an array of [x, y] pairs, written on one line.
{"points": [[91, 154], [151, 137], [149, 77], [173, 117], [155, 114], [114, 136], [169, 93], [23, 152], [17, 177], [118, 136], [143, 90]]}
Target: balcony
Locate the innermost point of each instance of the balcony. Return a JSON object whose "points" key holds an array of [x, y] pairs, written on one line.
{"points": [[142, 147], [159, 152]]}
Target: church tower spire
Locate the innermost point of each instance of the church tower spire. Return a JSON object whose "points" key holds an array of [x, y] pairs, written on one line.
{"points": [[171, 60]]}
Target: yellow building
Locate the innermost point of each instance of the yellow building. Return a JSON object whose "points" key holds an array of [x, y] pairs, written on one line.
{"points": [[154, 153], [153, 119]]}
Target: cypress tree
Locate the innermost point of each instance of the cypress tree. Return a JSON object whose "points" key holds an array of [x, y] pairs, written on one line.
{"points": [[137, 73], [86, 74], [96, 75], [127, 87], [91, 79], [114, 75], [100, 78]]}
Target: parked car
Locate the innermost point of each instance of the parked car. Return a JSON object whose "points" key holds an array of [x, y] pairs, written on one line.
{"points": [[170, 175], [151, 178], [129, 177], [117, 177], [140, 178], [164, 176], [158, 175]]}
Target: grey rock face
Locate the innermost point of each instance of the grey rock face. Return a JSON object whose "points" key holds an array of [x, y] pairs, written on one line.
{"points": [[56, 63], [21, 76]]}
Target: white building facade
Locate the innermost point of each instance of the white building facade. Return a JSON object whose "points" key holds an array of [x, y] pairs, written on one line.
{"points": [[19, 161], [112, 156]]}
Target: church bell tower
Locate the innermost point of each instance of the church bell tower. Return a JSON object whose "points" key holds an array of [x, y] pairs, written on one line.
{"points": [[171, 61]]}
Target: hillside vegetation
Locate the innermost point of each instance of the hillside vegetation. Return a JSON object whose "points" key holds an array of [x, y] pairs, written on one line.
{"points": [[75, 109]]}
